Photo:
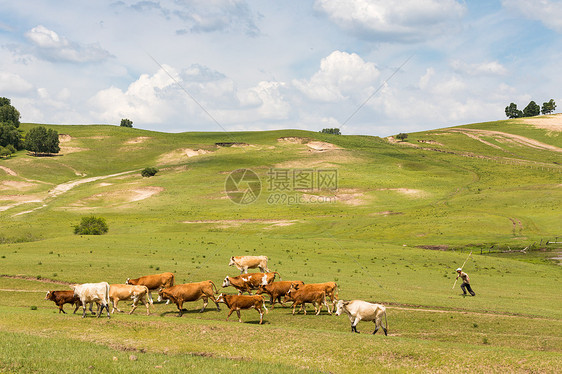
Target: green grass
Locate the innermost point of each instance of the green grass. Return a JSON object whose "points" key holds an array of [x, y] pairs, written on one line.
{"points": [[392, 199]]}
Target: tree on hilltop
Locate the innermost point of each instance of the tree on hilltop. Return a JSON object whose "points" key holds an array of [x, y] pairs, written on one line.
{"points": [[9, 114], [402, 136], [10, 136], [548, 107], [125, 122], [41, 140], [334, 131], [511, 111], [532, 109]]}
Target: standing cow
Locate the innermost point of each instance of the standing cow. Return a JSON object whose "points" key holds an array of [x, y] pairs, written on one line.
{"points": [[239, 302], [93, 293], [302, 296], [154, 282], [249, 282], [243, 263], [118, 292], [190, 292], [359, 310]]}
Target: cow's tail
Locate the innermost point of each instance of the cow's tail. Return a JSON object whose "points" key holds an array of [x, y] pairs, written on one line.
{"points": [[149, 296], [274, 272], [173, 280], [107, 295], [263, 305], [385, 322], [336, 292], [216, 289]]}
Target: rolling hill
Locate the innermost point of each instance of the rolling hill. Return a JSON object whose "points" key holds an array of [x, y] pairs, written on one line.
{"points": [[404, 215]]}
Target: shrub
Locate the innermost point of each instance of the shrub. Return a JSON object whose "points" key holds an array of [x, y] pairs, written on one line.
{"points": [[125, 122], [402, 136], [149, 172], [91, 226]]}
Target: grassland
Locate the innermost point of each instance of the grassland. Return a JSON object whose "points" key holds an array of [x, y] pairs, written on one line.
{"points": [[441, 189]]}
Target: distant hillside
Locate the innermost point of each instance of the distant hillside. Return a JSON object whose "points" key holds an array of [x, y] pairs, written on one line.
{"points": [[500, 179]]}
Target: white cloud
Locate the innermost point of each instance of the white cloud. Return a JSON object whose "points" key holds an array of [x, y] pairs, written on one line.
{"points": [[11, 83], [549, 12], [483, 68], [52, 47], [341, 75], [393, 20]]}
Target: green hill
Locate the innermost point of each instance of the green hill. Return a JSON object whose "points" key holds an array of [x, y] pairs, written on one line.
{"points": [[486, 188]]}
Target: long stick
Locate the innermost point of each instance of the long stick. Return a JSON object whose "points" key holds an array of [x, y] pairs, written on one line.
{"points": [[470, 254]]}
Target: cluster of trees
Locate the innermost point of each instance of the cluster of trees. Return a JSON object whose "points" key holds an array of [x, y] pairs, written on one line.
{"points": [[38, 140], [334, 131], [10, 135], [125, 122], [531, 110]]}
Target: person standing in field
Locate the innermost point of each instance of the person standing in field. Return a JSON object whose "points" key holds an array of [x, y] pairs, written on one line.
{"points": [[465, 282]]}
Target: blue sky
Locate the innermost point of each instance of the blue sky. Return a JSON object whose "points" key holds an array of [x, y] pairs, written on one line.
{"points": [[210, 65]]}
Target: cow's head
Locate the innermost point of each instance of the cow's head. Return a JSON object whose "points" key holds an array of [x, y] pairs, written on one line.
{"points": [[220, 298], [162, 294], [127, 281], [226, 281], [294, 287], [231, 263], [340, 306], [260, 290], [49, 295]]}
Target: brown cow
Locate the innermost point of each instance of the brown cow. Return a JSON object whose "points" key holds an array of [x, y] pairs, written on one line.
{"points": [[248, 282], [154, 282], [118, 292], [301, 297], [239, 302], [331, 289], [243, 263], [190, 292], [64, 297], [277, 289]]}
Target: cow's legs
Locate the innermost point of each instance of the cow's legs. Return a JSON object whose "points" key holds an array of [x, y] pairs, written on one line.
{"points": [[179, 304], [238, 312], [146, 304], [205, 302], [229, 313], [215, 301], [135, 304], [328, 307], [84, 309], [77, 306], [354, 324], [261, 314], [115, 308], [61, 309]]}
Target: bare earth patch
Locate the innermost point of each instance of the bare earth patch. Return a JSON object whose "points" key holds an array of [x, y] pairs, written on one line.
{"points": [[293, 140], [137, 140], [16, 185], [180, 155], [503, 136], [226, 223], [67, 150], [410, 192], [321, 146], [9, 171], [63, 138], [549, 122], [119, 197]]}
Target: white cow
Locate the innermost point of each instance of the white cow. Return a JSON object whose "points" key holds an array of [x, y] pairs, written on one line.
{"points": [[93, 293], [359, 310], [243, 263]]}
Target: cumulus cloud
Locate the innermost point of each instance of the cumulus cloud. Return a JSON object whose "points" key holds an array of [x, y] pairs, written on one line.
{"points": [[50, 46], [341, 75], [549, 12], [11, 83], [196, 94], [393, 20]]}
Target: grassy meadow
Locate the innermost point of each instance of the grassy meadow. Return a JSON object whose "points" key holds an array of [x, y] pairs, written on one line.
{"points": [[403, 218]]}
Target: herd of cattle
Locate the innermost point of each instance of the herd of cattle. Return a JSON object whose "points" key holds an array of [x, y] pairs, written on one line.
{"points": [[139, 290]]}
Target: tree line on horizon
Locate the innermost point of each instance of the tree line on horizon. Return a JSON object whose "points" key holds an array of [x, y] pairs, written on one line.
{"points": [[532, 109]]}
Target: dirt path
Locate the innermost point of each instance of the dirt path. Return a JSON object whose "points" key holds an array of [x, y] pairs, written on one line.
{"points": [[506, 137], [9, 171], [59, 190]]}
